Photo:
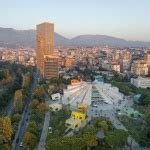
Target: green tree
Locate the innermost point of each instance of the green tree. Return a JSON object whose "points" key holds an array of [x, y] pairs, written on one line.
{"points": [[32, 128], [117, 139], [42, 107], [104, 125], [111, 140], [39, 92], [6, 130], [29, 141], [147, 116], [26, 80], [19, 107], [16, 117], [146, 100], [18, 97], [34, 103]]}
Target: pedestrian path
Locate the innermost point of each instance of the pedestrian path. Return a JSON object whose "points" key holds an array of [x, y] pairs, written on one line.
{"points": [[41, 145]]}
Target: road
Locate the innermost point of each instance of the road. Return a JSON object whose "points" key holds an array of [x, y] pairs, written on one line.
{"points": [[41, 145], [109, 111], [25, 118]]}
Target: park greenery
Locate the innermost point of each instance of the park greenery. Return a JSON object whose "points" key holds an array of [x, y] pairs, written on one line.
{"points": [[6, 132], [139, 128], [15, 84], [113, 138], [11, 80], [38, 108], [122, 82], [87, 137]]}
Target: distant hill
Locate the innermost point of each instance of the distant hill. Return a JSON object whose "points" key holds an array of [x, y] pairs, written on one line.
{"points": [[103, 40], [27, 38]]}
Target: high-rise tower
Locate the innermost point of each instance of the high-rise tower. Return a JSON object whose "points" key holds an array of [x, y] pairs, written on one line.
{"points": [[45, 50]]}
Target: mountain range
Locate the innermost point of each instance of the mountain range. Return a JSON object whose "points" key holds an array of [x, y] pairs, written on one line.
{"points": [[10, 37]]}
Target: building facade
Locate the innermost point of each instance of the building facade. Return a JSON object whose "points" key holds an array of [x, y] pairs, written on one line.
{"points": [[47, 61], [51, 67], [125, 61], [139, 68], [69, 62], [116, 67], [140, 82], [147, 60]]}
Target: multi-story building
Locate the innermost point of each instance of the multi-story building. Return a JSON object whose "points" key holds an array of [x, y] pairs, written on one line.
{"points": [[147, 60], [47, 61], [116, 56], [139, 68], [69, 62], [51, 66], [125, 61], [21, 57], [141, 82], [106, 65], [116, 67]]}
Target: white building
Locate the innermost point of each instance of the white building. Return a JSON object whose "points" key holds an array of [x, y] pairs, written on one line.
{"points": [[55, 107], [141, 82], [56, 96]]}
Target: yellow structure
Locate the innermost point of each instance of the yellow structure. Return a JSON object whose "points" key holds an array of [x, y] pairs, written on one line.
{"points": [[74, 81], [76, 120], [82, 107], [78, 115]]}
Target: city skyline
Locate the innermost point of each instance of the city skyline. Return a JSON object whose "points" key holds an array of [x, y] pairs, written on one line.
{"points": [[127, 20]]}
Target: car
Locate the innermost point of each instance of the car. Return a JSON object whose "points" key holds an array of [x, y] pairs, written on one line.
{"points": [[21, 144], [94, 105], [50, 129], [119, 113]]}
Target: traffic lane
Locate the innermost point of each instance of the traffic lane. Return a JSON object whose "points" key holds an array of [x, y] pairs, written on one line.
{"points": [[22, 130]]}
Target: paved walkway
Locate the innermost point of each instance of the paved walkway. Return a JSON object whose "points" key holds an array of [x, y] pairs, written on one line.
{"points": [[109, 111], [41, 145]]}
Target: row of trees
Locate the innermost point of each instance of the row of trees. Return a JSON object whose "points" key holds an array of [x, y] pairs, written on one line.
{"points": [[26, 80], [23, 80], [84, 140], [6, 132], [5, 77], [38, 109]]}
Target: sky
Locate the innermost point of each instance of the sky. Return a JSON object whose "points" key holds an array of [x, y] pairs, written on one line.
{"points": [[127, 19]]}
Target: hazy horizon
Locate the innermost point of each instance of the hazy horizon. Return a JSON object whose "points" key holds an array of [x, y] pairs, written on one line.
{"points": [[122, 19]]}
